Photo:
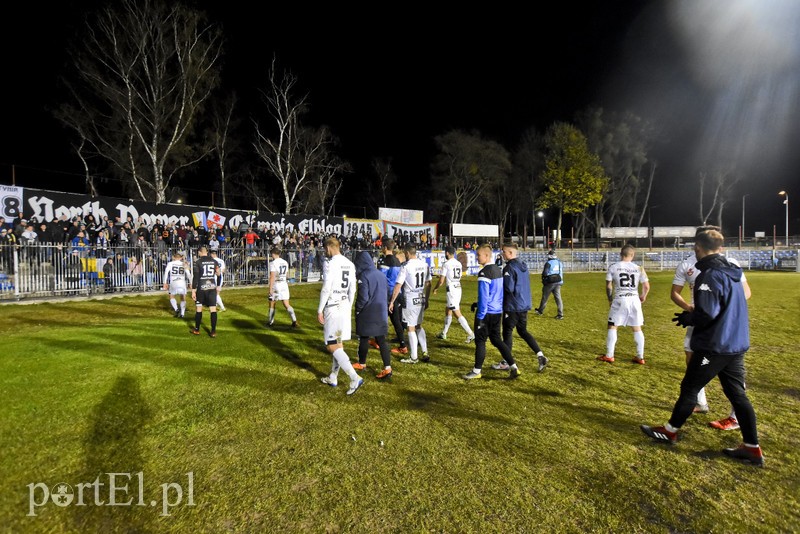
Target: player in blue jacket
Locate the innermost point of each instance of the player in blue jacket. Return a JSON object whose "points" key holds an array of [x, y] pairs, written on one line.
{"points": [[720, 339], [390, 266], [517, 304], [489, 314]]}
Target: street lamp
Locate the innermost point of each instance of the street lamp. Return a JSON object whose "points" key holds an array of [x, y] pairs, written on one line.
{"points": [[786, 194], [540, 214]]}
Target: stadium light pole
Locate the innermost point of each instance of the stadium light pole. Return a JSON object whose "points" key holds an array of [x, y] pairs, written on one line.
{"points": [[744, 235], [786, 194], [540, 214]]}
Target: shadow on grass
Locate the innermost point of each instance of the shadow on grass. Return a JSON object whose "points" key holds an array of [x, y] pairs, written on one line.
{"points": [[275, 344], [438, 405], [113, 444]]}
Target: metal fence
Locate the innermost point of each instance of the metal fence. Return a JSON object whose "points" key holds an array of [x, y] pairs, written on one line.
{"points": [[48, 270], [54, 270]]}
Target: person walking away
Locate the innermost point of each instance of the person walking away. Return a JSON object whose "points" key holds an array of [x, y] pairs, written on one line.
{"points": [[371, 317], [623, 281], [552, 280]]}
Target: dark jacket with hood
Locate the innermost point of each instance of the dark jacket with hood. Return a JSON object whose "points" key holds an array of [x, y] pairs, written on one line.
{"points": [[371, 301], [720, 318], [516, 287]]}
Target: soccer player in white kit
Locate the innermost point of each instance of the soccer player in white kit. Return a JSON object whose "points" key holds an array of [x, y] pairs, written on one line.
{"points": [[278, 286], [451, 275], [415, 282], [334, 313], [220, 278], [623, 281], [175, 276], [685, 274]]}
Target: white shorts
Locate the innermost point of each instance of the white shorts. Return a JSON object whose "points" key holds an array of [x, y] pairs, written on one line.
{"points": [[626, 311], [177, 290], [280, 292], [413, 313], [337, 324], [453, 298], [687, 340]]}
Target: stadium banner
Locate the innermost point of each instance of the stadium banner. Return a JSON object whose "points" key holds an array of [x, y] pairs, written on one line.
{"points": [[617, 232], [360, 226], [475, 230], [10, 202], [674, 231], [48, 205], [397, 229], [401, 215]]}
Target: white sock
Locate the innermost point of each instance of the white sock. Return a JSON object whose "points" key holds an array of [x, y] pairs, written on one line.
{"points": [[291, 313], [173, 303], [334, 369], [448, 319], [540, 353], [271, 314], [733, 415], [412, 344], [611, 342], [344, 362], [183, 307], [670, 428], [465, 325], [701, 397], [514, 366], [476, 370], [423, 339], [638, 337], [219, 301]]}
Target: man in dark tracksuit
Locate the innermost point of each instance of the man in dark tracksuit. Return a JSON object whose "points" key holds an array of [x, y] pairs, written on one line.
{"points": [[720, 339], [490, 314], [516, 304], [389, 265], [371, 318]]}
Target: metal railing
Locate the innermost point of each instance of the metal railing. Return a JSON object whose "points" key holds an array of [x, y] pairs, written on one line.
{"points": [[55, 270]]}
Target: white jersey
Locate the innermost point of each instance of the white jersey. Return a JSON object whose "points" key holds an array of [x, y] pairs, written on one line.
{"points": [[626, 276], [280, 286], [280, 267], [176, 275], [339, 286], [686, 273], [413, 275], [451, 270]]}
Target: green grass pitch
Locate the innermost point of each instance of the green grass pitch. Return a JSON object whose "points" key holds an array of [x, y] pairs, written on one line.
{"points": [[120, 386]]}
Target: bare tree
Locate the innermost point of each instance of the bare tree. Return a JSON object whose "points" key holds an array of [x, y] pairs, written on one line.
{"points": [[223, 124], [722, 183], [379, 191], [143, 71], [328, 172], [294, 152], [465, 167]]}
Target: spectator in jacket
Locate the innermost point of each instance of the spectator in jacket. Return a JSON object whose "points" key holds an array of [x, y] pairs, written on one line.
{"points": [[108, 275], [552, 280], [371, 317], [489, 314], [720, 339], [517, 304]]}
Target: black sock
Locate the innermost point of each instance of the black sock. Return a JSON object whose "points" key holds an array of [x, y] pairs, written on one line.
{"points": [[198, 318], [213, 321]]}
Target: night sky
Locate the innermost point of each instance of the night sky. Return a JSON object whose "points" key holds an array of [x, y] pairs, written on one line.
{"points": [[387, 82]]}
